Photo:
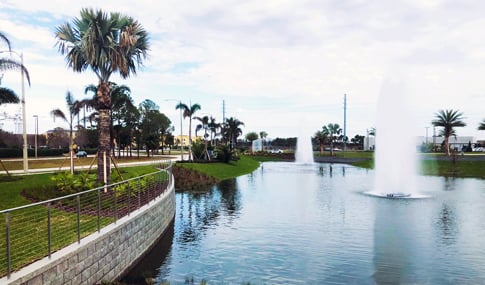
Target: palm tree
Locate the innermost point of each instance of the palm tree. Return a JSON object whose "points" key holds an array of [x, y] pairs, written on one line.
{"points": [[188, 112], [204, 125], [481, 126], [448, 120], [74, 107], [107, 44], [263, 136], [232, 131], [331, 131], [213, 127], [8, 96], [322, 138], [251, 137]]}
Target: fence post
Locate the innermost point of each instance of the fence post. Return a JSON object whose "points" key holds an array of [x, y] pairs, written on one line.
{"points": [[139, 194], [78, 219], [99, 210], [49, 233], [7, 227], [115, 204], [129, 198]]}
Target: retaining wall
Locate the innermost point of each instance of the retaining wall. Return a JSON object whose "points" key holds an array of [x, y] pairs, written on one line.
{"points": [[103, 256]]}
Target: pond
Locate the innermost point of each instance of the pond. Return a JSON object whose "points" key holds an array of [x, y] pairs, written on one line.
{"points": [[289, 223]]}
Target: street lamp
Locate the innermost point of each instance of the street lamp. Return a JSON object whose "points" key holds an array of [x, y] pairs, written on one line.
{"points": [[181, 139], [36, 132]]}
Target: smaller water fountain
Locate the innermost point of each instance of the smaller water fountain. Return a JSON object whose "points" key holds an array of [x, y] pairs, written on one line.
{"points": [[304, 149]]}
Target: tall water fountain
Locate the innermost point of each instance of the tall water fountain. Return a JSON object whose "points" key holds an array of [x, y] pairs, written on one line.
{"points": [[395, 157], [304, 149]]}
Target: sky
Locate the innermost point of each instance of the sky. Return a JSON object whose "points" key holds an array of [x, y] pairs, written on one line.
{"points": [[279, 66]]}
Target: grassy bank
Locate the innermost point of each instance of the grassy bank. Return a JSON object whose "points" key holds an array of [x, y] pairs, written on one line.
{"points": [[437, 164], [221, 171]]}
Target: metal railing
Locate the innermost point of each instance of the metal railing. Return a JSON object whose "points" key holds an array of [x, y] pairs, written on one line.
{"points": [[31, 232]]}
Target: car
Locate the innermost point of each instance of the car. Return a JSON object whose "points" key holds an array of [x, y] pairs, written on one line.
{"points": [[276, 151], [82, 153]]}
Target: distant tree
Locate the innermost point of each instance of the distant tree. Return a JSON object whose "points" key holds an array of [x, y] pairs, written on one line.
{"points": [[332, 131], [251, 136], [153, 123], [321, 137], [263, 136], [448, 120], [73, 107], [188, 112], [58, 138], [214, 128], [232, 130], [204, 125], [358, 140]]}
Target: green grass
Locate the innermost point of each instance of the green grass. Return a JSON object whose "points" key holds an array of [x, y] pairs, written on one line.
{"points": [[28, 226], [434, 164], [448, 168], [222, 171]]}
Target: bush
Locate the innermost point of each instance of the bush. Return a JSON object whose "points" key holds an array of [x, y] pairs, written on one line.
{"points": [[224, 154]]}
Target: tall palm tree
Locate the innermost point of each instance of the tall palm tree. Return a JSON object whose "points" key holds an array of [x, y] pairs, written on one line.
{"points": [[107, 44], [204, 125], [233, 131], [8, 96], [263, 136], [188, 112], [74, 107], [448, 120], [213, 127], [331, 130]]}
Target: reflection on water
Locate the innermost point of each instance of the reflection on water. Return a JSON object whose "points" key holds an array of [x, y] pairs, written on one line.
{"points": [[310, 224]]}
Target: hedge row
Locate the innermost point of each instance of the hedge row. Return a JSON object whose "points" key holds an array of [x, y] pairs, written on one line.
{"points": [[17, 152]]}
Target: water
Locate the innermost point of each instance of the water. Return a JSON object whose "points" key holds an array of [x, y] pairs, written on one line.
{"points": [[290, 223]]}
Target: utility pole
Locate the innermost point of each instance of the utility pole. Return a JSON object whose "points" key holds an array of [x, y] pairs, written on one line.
{"points": [[345, 122], [223, 111]]}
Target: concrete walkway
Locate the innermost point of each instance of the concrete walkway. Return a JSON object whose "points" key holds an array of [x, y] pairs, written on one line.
{"points": [[94, 166]]}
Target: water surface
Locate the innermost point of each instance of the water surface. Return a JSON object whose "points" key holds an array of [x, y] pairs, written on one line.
{"points": [[289, 223]]}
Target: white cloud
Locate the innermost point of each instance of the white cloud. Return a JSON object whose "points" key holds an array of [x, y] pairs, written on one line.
{"points": [[275, 61]]}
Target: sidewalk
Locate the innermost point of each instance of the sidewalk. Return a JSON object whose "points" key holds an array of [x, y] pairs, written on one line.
{"points": [[94, 166]]}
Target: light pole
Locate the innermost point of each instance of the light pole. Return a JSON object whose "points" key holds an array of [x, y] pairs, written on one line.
{"points": [[24, 119], [36, 132], [181, 139], [427, 134]]}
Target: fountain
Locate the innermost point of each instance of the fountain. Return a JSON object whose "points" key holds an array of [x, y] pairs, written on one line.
{"points": [[304, 149], [395, 157]]}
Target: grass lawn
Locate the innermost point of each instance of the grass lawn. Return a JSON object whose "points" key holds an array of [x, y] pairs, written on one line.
{"points": [[436, 164], [221, 171], [28, 226], [11, 186]]}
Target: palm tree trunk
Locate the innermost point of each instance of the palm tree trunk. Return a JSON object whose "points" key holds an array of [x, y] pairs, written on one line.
{"points": [[190, 139], [447, 146], [71, 151], [104, 146]]}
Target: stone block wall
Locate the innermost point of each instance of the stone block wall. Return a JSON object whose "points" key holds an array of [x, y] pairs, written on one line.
{"points": [[106, 255]]}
